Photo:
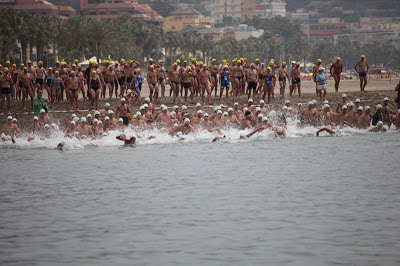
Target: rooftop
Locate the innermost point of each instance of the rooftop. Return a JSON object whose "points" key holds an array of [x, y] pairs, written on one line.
{"points": [[185, 11]]}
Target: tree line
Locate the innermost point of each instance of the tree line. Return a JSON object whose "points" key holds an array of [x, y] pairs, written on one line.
{"points": [[124, 37]]}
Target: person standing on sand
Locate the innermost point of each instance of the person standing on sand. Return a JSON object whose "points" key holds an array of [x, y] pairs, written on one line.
{"points": [[315, 72], [397, 99], [362, 68], [296, 81], [337, 69]]}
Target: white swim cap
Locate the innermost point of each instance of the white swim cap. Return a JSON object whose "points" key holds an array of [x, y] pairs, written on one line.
{"points": [[262, 102], [73, 115], [398, 111], [42, 111], [380, 123], [120, 120], [284, 108], [123, 100], [245, 109], [186, 121], [310, 103], [344, 95], [128, 91], [378, 106], [107, 105], [164, 108], [264, 119], [258, 109], [351, 104], [110, 112], [326, 102], [9, 117], [176, 107], [289, 108], [219, 112], [147, 99], [367, 108], [344, 107], [250, 100], [357, 100], [287, 101], [95, 120], [141, 108], [205, 115], [99, 122], [83, 119], [360, 108], [89, 115], [138, 114], [179, 134], [260, 115], [314, 101], [385, 99], [219, 107], [96, 113], [215, 109], [174, 125], [198, 105], [73, 122], [230, 109], [199, 112], [145, 105], [242, 135], [293, 62], [14, 120], [279, 130], [106, 118], [184, 107], [321, 68], [76, 119], [236, 104], [173, 113]]}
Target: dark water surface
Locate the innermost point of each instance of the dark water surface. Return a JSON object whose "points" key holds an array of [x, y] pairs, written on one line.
{"points": [[299, 201]]}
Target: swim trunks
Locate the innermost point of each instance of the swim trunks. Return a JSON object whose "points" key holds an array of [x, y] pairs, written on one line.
{"points": [[252, 85], [362, 74], [5, 90]]}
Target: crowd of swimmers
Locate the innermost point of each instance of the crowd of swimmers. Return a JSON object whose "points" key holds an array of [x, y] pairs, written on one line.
{"points": [[187, 79], [179, 121]]}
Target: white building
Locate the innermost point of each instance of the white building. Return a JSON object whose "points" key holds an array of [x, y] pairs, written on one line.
{"points": [[270, 8]]}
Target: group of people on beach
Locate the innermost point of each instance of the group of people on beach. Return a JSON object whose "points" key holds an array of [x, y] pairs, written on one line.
{"points": [[187, 79], [248, 118]]}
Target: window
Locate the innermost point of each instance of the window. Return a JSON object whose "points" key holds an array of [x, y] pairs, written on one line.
{"points": [[102, 13], [92, 13], [172, 27]]}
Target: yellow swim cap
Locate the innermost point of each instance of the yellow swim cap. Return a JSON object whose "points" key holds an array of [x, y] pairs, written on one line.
{"points": [[363, 56], [25, 68], [284, 63], [76, 60], [151, 66], [160, 61], [29, 62], [298, 63], [268, 68], [93, 72], [189, 68], [241, 59], [116, 63], [57, 62], [14, 65], [257, 60], [72, 72], [252, 64], [319, 60], [50, 68], [178, 61], [262, 64], [338, 58], [134, 116], [194, 59], [185, 61], [74, 65], [90, 62], [224, 61], [214, 60], [6, 69], [130, 61], [138, 70], [59, 72], [122, 60], [7, 62], [175, 64], [271, 62], [151, 59]]}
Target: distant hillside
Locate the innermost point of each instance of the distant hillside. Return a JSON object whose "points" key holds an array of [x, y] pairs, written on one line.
{"points": [[379, 8]]}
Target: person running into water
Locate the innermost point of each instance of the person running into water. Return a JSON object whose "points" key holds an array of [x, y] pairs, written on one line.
{"points": [[362, 68], [337, 68]]}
